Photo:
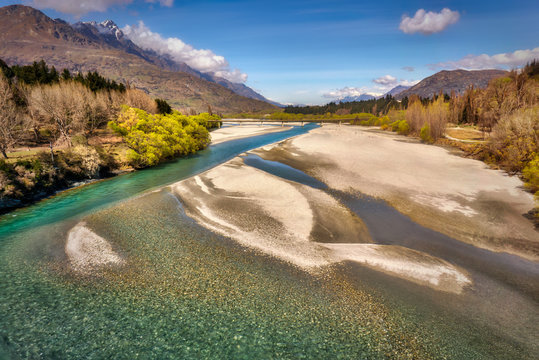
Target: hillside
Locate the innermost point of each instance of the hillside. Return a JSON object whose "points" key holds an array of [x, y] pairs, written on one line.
{"points": [[455, 80], [397, 90], [109, 32], [28, 35]]}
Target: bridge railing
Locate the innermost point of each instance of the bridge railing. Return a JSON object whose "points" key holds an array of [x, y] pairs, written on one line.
{"points": [[337, 121]]}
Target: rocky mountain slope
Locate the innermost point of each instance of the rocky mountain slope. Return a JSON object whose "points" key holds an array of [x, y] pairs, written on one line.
{"points": [[28, 35], [396, 90], [113, 35], [454, 80]]}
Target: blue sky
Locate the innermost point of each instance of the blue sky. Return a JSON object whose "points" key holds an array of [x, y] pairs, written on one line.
{"points": [[296, 51]]}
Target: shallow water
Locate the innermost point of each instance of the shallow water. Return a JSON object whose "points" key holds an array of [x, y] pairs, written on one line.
{"points": [[283, 171], [499, 313], [79, 201], [186, 292]]}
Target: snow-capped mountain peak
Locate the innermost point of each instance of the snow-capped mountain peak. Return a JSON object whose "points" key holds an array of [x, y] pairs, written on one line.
{"points": [[107, 27]]}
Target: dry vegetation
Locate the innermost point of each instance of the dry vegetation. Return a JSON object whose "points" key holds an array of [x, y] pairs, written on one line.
{"points": [[53, 131], [506, 112]]}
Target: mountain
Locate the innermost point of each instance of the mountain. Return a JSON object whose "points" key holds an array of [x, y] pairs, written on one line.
{"points": [[113, 36], [28, 35], [455, 80], [240, 89], [357, 98], [396, 90]]}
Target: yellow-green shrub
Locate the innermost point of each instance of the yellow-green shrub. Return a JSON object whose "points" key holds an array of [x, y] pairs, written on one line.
{"points": [[531, 174], [424, 134], [402, 127], [154, 138]]}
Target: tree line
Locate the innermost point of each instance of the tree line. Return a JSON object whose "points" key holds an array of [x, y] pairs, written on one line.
{"points": [[40, 73], [40, 105], [373, 106], [507, 112]]}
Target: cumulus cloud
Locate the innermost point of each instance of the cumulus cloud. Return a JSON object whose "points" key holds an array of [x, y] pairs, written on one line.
{"points": [[203, 60], [383, 85], [348, 91], [408, 68], [428, 22], [78, 8], [484, 61], [386, 80], [235, 76]]}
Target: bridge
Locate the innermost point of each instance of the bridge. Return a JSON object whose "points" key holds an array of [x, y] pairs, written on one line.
{"points": [[282, 122]]}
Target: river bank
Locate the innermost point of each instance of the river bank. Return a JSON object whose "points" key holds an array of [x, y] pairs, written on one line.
{"points": [[459, 197], [37, 177], [230, 254], [392, 209]]}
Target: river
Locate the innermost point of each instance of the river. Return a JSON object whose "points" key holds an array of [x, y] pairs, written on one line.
{"points": [[183, 291]]}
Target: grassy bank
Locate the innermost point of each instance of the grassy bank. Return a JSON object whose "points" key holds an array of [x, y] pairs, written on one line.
{"points": [[136, 139]]}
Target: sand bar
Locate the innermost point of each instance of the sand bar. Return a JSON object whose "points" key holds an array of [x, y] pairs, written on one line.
{"points": [[88, 251], [459, 197], [234, 132], [301, 225]]}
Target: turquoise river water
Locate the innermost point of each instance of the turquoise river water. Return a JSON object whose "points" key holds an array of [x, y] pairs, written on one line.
{"points": [[186, 292]]}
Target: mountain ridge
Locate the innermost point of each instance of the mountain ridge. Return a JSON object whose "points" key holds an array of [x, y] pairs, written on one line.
{"points": [[397, 90], [448, 81], [115, 37], [27, 35]]}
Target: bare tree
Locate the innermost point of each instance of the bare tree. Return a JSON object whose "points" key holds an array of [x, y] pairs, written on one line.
{"points": [[140, 100], [415, 114], [63, 105], [11, 120], [437, 115]]}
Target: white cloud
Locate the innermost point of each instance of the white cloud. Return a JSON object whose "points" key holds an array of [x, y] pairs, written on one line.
{"points": [[484, 61], [235, 76], [408, 68], [386, 80], [78, 8], [384, 84], [348, 91], [408, 82], [199, 59], [428, 22]]}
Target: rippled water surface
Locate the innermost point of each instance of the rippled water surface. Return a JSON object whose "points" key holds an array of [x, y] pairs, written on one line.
{"points": [[186, 292], [97, 195]]}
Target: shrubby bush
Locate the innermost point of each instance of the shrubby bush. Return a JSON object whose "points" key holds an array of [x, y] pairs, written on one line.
{"points": [[364, 119], [396, 115], [402, 127], [514, 140], [424, 134], [155, 138], [531, 175], [435, 115], [207, 120]]}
